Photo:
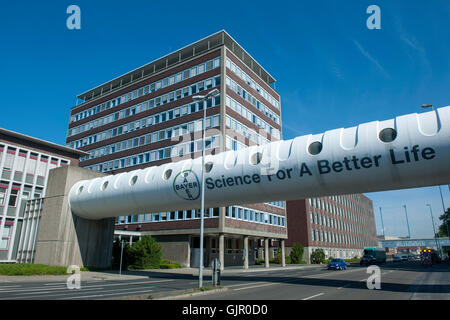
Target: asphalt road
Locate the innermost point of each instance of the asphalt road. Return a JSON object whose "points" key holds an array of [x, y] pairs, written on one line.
{"points": [[403, 281]]}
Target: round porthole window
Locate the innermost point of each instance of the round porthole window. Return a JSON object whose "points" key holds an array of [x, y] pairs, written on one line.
{"points": [[167, 174], [315, 148], [388, 135], [256, 158], [133, 180], [208, 167]]}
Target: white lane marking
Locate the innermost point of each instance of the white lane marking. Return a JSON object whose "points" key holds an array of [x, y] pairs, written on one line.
{"points": [[132, 293], [251, 287], [345, 286], [316, 295]]}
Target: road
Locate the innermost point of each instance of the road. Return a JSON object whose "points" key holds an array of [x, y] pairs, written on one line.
{"points": [[403, 281]]}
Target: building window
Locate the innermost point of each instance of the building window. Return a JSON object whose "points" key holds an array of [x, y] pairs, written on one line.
{"points": [[4, 243]]}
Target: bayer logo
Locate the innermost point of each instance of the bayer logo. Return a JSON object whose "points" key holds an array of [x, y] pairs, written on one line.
{"points": [[186, 185]]}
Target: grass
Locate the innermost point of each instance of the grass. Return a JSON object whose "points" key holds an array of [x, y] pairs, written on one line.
{"points": [[28, 269]]}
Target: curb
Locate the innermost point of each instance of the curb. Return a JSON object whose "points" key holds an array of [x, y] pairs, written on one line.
{"points": [[171, 295]]}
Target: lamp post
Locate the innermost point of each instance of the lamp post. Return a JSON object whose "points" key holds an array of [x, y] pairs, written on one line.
{"points": [[407, 222], [382, 224], [434, 229], [202, 99]]}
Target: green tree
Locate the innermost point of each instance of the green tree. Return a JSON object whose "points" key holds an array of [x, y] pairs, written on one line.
{"points": [[443, 228], [145, 254], [296, 253], [318, 256]]}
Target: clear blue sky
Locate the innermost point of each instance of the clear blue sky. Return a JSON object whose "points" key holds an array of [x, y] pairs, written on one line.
{"points": [[331, 70]]}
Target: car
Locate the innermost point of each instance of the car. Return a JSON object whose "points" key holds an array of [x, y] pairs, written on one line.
{"points": [[397, 259], [368, 260], [337, 264], [404, 257]]}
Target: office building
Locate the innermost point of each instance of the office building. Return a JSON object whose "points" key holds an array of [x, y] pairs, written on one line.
{"points": [[147, 117], [24, 166], [340, 225]]}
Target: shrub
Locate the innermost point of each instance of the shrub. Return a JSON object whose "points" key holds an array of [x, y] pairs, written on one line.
{"points": [[318, 256], [259, 262], [28, 269], [168, 264], [277, 259], [145, 254], [296, 253]]}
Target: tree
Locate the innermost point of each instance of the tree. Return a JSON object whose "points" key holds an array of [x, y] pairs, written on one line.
{"points": [[443, 228], [296, 253], [145, 254], [318, 256]]}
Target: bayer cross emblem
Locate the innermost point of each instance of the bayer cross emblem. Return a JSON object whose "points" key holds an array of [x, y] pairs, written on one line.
{"points": [[186, 185]]}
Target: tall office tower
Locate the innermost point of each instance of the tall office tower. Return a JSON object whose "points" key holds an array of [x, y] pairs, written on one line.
{"points": [[147, 117], [24, 167], [342, 225]]}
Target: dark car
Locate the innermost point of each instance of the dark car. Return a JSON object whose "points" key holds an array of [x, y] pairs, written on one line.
{"points": [[337, 264], [367, 260]]}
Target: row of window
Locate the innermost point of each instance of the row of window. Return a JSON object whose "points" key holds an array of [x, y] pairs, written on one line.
{"points": [[332, 237], [250, 116], [160, 117], [177, 151], [365, 217], [12, 200], [320, 219], [147, 105], [251, 215], [245, 131], [142, 123], [341, 253], [251, 99], [234, 212], [253, 84], [168, 133], [150, 88]]}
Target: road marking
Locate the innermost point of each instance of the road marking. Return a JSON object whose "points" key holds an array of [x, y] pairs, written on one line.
{"points": [[132, 293], [251, 287], [344, 286], [316, 295]]}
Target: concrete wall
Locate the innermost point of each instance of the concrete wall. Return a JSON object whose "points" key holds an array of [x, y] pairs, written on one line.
{"points": [[65, 239], [175, 248]]}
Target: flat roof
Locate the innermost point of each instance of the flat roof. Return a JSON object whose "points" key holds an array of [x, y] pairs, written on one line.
{"points": [[179, 56], [42, 142]]}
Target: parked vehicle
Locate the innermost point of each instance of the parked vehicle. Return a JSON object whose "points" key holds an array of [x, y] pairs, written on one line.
{"points": [[396, 259], [337, 264], [404, 257]]}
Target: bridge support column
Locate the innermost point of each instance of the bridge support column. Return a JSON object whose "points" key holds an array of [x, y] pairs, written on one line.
{"points": [[65, 239], [266, 252], [245, 252]]}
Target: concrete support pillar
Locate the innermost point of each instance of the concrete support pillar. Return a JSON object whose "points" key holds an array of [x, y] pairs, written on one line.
{"points": [[131, 240], [245, 252], [222, 251], [266, 252], [65, 239], [283, 254]]}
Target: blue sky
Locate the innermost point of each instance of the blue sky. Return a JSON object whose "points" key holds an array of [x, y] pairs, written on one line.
{"points": [[331, 70]]}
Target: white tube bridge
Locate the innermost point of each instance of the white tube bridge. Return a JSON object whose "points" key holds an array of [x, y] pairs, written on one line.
{"points": [[406, 152]]}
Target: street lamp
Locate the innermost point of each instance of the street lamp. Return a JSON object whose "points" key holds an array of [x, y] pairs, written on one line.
{"points": [[407, 222], [202, 99], [434, 229], [382, 224]]}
